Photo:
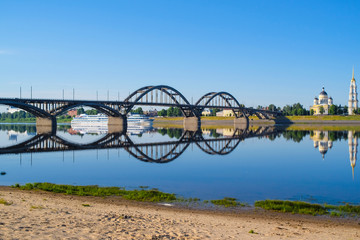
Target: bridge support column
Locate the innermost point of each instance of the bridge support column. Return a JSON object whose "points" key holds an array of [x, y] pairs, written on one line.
{"points": [[46, 125], [117, 124], [241, 123], [192, 123]]}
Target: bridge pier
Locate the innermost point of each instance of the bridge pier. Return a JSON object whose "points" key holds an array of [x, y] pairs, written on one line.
{"points": [[241, 123], [45, 125], [192, 123], [117, 124]]}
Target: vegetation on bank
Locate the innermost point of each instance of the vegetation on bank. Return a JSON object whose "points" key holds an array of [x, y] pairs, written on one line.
{"points": [[154, 195], [308, 208], [151, 195], [325, 118], [4, 202], [227, 202]]}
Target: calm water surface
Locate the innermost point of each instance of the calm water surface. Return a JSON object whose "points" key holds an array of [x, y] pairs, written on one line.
{"points": [[315, 166]]}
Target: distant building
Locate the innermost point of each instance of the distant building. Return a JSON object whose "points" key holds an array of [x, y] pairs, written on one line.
{"points": [[72, 112], [353, 101], [225, 113], [206, 112], [322, 102], [13, 109], [151, 113]]}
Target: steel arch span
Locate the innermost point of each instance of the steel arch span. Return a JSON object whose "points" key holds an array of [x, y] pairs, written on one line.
{"points": [[107, 110], [164, 95], [221, 99], [37, 112]]}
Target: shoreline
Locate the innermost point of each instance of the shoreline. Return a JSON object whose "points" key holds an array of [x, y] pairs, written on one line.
{"points": [[48, 215]]}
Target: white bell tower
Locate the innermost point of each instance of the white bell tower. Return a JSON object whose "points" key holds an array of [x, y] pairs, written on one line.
{"points": [[353, 101]]}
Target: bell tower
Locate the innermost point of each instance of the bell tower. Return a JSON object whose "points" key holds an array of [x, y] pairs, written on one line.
{"points": [[353, 101]]}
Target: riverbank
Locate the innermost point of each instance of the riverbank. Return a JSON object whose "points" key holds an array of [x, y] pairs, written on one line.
{"points": [[229, 121], [44, 215]]}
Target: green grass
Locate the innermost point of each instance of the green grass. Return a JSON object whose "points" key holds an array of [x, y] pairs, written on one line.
{"points": [[37, 207], [326, 118], [86, 205], [2, 201], [227, 202], [308, 208], [152, 195], [292, 206], [252, 232]]}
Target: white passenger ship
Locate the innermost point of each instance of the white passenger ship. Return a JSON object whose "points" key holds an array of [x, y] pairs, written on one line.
{"points": [[85, 120], [133, 119], [100, 120]]}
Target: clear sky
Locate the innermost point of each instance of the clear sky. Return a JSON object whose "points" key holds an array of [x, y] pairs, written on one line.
{"points": [[262, 52]]}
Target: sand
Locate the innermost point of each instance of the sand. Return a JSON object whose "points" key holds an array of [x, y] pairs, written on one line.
{"points": [[43, 215]]}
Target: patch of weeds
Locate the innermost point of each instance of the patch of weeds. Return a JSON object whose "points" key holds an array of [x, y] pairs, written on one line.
{"points": [[252, 232], [143, 187], [335, 214], [37, 207], [194, 199], [309, 208], [152, 195], [4, 202], [292, 206], [227, 202], [206, 201], [86, 205]]}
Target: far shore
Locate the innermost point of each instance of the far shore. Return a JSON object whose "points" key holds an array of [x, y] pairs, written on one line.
{"points": [[44, 215], [227, 121]]}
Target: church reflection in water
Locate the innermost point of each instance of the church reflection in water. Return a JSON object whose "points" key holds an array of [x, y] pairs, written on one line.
{"points": [[323, 142]]}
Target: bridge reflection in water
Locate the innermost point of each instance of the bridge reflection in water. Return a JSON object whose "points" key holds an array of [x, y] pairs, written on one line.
{"points": [[157, 152]]}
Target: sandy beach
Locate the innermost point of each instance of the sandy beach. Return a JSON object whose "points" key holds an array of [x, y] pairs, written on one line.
{"points": [[43, 215]]}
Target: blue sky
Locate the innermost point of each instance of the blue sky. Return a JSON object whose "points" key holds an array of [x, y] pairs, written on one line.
{"points": [[262, 52]]}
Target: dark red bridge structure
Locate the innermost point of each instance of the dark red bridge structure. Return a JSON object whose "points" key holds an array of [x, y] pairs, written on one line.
{"points": [[46, 110]]}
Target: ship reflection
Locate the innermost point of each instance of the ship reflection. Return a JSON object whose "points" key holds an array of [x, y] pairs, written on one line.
{"points": [[132, 129]]}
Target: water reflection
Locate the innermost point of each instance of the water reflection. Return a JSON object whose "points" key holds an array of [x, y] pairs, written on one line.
{"points": [[248, 164], [353, 149], [224, 142], [322, 141]]}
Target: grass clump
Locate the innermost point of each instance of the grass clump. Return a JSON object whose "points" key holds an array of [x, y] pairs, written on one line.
{"points": [[152, 195], [252, 232], [4, 202], [308, 208], [292, 206], [86, 205], [227, 202], [37, 207]]}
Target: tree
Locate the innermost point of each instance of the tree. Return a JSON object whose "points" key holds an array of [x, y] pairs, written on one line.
{"points": [[333, 110], [345, 110], [272, 107], [170, 112], [311, 111], [80, 111], [321, 110], [139, 110], [162, 113]]}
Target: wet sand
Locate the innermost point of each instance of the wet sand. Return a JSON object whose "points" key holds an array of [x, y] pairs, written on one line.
{"points": [[43, 215]]}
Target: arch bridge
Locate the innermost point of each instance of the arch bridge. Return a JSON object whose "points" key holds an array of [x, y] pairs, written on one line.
{"points": [[46, 110]]}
